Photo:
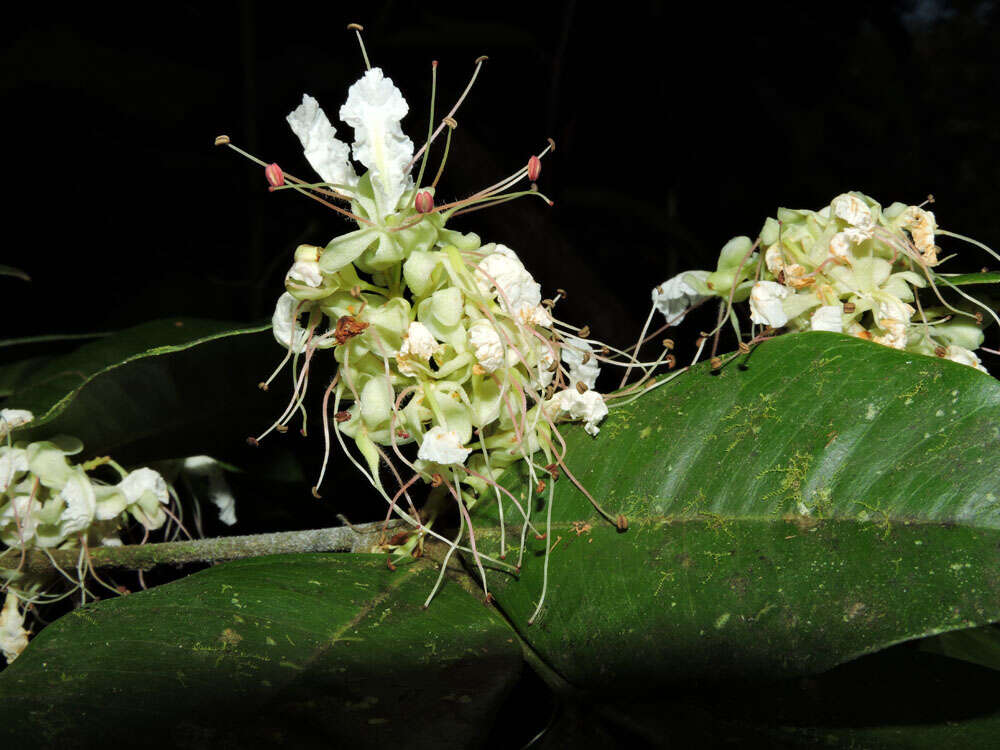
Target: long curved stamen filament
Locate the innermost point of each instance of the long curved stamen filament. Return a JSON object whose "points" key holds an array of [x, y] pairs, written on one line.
{"points": [[358, 28], [548, 550], [430, 122]]}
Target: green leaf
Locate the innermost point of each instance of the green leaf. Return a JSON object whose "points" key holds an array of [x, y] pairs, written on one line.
{"points": [[965, 279], [818, 500], [163, 389], [297, 651], [15, 272]]}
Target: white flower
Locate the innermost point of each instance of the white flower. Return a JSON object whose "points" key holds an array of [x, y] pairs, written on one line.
{"points": [[964, 357], [306, 271], [487, 345], [81, 505], [13, 636], [19, 521], [573, 353], [828, 318], [13, 463], [285, 324], [895, 335], [841, 242], [588, 406], [517, 290], [374, 109], [853, 210], [207, 468], [674, 296], [443, 447], [765, 303], [418, 344], [12, 418], [146, 492], [324, 152]]}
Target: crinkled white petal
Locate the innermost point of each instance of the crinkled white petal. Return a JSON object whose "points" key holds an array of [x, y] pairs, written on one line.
{"points": [[374, 109], [765, 304], [853, 210], [81, 504], [144, 481], [922, 226], [418, 344], [518, 292], [306, 271], [13, 463], [13, 636], [895, 333], [774, 259], [892, 308], [12, 418], [573, 353], [674, 296], [443, 447], [828, 318], [842, 242], [486, 345], [588, 406], [964, 357], [285, 325], [326, 154]]}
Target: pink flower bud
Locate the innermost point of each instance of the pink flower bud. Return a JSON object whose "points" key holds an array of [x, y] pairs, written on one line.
{"points": [[424, 202], [274, 175], [534, 168]]}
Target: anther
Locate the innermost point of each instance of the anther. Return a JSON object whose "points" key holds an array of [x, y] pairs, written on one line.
{"points": [[668, 344], [605, 351], [850, 307], [553, 367], [584, 332], [744, 347], [436, 480], [622, 523], [342, 416], [716, 363], [355, 27], [481, 59], [548, 304], [552, 145], [282, 428], [940, 351], [451, 122], [671, 361], [562, 293], [222, 140], [586, 358], [424, 202], [540, 488], [389, 565], [979, 318], [262, 385], [315, 491], [252, 441], [534, 168], [356, 291], [581, 387], [274, 175], [478, 369]]}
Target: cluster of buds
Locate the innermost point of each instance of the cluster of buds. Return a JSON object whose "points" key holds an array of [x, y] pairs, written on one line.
{"points": [[46, 502], [850, 268], [443, 342]]}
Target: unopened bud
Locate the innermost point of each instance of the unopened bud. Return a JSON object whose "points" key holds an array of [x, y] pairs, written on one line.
{"points": [[534, 168], [222, 140], [424, 202], [274, 175]]}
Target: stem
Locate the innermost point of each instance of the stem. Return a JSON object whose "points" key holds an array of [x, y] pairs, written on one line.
{"points": [[357, 538]]}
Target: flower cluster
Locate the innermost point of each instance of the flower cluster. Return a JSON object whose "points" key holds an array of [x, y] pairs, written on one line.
{"points": [[47, 502], [850, 268]]}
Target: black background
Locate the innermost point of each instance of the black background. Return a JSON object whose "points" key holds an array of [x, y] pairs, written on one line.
{"points": [[676, 130]]}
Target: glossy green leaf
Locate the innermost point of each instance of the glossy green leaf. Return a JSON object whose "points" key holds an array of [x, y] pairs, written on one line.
{"points": [[819, 499], [159, 390], [294, 651], [15, 272]]}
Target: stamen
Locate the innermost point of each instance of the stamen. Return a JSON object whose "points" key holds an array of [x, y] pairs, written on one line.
{"points": [[430, 121], [357, 28], [447, 148]]}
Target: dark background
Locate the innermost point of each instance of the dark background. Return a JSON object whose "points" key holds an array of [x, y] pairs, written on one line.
{"points": [[675, 131]]}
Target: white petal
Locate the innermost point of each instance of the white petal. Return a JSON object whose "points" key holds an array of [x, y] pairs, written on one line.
{"points": [[305, 271], [853, 210], [572, 404], [207, 468], [487, 345], [964, 357], [374, 109], [327, 155], [765, 304], [13, 463], [285, 325], [81, 505], [12, 418], [419, 345], [13, 636], [573, 353], [828, 318], [519, 294], [443, 446], [674, 296]]}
